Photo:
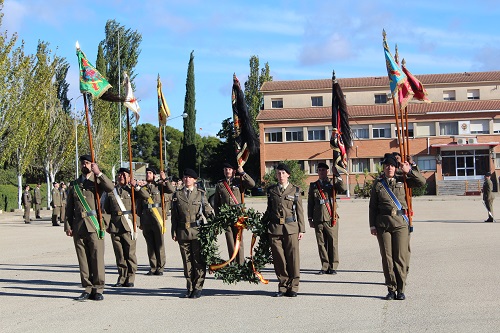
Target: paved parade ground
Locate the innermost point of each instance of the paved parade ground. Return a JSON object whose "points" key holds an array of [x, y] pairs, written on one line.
{"points": [[453, 283]]}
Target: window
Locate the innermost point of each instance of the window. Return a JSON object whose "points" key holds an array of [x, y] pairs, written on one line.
{"points": [[449, 95], [496, 126], [360, 132], [426, 162], [294, 134], [316, 134], [317, 101], [359, 165], [313, 166], [479, 127], [410, 132], [273, 135], [381, 132], [449, 128], [277, 103], [425, 129], [380, 98], [473, 94]]}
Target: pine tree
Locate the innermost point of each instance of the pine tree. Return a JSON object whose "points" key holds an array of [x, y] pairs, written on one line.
{"points": [[187, 154]]}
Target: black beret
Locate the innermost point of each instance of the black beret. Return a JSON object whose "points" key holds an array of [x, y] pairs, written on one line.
{"points": [[389, 158], [283, 166], [55, 183], [323, 165], [175, 178], [190, 173], [152, 170], [86, 158], [488, 174], [61, 183], [124, 170], [227, 165]]}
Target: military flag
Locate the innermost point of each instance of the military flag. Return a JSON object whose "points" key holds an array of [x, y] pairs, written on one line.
{"points": [[130, 100], [245, 139], [91, 81], [341, 138], [419, 91], [163, 110]]}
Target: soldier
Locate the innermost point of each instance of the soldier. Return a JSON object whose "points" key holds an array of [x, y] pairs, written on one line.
{"points": [[37, 196], [189, 206], [488, 196], [227, 192], [56, 204], [26, 200], [64, 199], [118, 204], [286, 228], [389, 221], [150, 211], [82, 225], [320, 208]]}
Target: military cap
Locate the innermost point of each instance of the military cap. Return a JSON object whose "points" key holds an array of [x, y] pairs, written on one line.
{"points": [[488, 174], [124, 170], [323, 165], [55, 183], [227, 165], [190, 173], [61, 183], [152, 170], [389, 158], [86, 158], [175, 178], [284, 167]]}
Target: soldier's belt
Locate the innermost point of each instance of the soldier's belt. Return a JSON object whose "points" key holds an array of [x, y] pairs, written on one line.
{"points": [[152, 205], [194, 224], [89, 213], [284, 220], [394, 212], [120, 213]]}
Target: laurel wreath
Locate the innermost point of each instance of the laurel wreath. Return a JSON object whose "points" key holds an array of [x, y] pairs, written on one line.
{"points": [[216, 225]]}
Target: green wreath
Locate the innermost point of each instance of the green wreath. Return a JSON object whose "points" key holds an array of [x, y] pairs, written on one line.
{"points": [[216, 225]]}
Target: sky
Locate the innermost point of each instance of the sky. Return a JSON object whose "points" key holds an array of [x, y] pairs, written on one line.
{"points": [[301, 40]]}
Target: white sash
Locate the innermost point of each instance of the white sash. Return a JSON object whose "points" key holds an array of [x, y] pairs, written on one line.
{"points": [[126, 216]]}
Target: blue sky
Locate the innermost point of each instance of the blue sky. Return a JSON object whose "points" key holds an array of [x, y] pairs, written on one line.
{"points": [[299, 39]]}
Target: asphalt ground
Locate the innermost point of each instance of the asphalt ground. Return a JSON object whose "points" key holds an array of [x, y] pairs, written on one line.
{"points": [[453, 283]]}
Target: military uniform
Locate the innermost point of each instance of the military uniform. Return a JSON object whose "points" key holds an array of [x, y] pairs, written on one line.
{"points": [[392, 228], [56, 205], [89, 248], [186, 219], [223, 197], [286, 220], [488, 197], [319, 215], [151, 229], [121, 232], [27, 199], [37, 195], [64, 200]]}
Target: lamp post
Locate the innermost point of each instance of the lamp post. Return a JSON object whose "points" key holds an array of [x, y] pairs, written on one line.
{"points": [[184, 116]]}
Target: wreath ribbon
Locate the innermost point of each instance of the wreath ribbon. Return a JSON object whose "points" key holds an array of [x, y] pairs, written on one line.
{"points": [[257, 273], [240, 225]]}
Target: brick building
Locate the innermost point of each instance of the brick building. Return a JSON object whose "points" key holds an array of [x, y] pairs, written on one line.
{"points": [[454, 139]]}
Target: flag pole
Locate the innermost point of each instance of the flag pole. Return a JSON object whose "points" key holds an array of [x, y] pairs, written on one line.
{"points": [[134, 222], [163, 213], [96, 185]]}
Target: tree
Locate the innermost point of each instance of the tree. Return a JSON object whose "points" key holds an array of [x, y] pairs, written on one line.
{"points": [[187, 155], [297, 175], [62, 85], [253, 96]]}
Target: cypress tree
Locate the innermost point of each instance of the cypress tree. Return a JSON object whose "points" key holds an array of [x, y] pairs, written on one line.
{"points": [[187, 154]]}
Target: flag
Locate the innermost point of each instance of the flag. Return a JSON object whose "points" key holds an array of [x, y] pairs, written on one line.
{"points": [[397, 79], [245, 139], [418, 88], [341, 139], [130, 100], [91, 81], [163, 110]]}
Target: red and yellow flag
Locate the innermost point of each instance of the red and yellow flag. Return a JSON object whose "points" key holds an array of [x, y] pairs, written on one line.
{"points": [[163, 110]]}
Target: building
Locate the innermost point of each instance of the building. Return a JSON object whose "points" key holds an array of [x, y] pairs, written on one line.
{"points": [[454, 139]]}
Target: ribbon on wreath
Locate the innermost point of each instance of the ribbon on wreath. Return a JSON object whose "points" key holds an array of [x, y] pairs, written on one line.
{"points": [[240, 225]]}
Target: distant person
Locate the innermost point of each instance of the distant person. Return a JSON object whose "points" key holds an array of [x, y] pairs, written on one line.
{"points": [[56, 204], [488, 196], [286, 228], [320, 209], [26, 201], [388, 217], [64, 200], [37, 200], [227, 192]]}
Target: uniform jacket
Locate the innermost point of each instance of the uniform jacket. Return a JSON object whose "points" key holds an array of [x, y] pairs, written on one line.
{"points": [[315, 208], [152, 190], [64, 196], [280, 209], [487, 190], [222, 195], [56, 198], [76, 217], [27, 198], [37, 195], [186, 211], [117, 222], [382, 211]]}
